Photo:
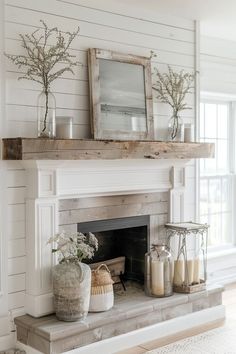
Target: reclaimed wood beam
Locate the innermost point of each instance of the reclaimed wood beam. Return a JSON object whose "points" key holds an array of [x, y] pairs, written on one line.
{"points": [[85, 149]]}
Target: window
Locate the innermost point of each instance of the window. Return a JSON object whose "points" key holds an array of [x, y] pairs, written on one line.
{"points": [[216, 178]]}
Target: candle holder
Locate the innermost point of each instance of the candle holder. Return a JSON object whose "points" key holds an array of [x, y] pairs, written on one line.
{"points": [[188, 133], [64, 127], [158, 272], [190, 260]]}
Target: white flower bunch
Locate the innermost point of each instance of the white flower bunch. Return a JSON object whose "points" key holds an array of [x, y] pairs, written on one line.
{"points": [[74, 247], [171, 88]]}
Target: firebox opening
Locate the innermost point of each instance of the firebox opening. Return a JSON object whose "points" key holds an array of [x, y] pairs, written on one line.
{"points": [[126, 237]]}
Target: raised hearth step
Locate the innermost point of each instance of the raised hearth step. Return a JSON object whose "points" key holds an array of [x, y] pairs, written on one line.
{"points": [[132, 310]]}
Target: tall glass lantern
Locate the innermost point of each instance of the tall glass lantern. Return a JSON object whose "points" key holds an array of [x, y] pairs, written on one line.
{"points": [[158, 272], [188, 242]]}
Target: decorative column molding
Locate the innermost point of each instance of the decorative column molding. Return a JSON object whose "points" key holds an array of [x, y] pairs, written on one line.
{"points": [[41, 224]]}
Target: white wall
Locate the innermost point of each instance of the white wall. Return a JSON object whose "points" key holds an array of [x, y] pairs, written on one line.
{"points": [[218, 80], [218, 65], [104, 24]]}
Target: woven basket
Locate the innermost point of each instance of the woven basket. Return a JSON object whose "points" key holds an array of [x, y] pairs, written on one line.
{"points": [[102, 295]]}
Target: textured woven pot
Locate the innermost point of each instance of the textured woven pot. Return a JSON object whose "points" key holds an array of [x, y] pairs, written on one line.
{"points": [[71, 288], [102, 295]]}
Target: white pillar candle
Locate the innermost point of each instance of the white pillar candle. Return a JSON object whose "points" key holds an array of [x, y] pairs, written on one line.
{"points": [[189, 272], [157, 278], [196, 273], [63, 127], [63, 131], [179, 272], [188, 133]]}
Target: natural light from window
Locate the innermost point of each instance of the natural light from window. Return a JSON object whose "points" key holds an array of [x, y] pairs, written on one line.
{"points": [[216, 181]]}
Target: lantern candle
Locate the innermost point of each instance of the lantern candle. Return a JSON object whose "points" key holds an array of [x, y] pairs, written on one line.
{"points": [[179, 272], [189, 272], [196, 273], [157, 271]]}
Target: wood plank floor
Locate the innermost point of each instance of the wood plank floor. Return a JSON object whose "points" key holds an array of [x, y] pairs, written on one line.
{"points": [[229, 300]]}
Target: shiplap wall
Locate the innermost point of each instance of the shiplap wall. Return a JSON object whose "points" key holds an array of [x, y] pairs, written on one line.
{"points": [[103, 24], [218, 66]]}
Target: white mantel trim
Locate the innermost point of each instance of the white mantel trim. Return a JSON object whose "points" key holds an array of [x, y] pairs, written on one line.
{"points": [[66, 179], [50, 181]]}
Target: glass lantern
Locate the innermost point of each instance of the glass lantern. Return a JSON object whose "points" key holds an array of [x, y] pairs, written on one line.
{"points": [[158, 272], [189, 240]]}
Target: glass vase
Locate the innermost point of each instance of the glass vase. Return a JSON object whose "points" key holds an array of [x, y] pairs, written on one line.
{"points": [[175, 129], [159, 272], [46, 106]]}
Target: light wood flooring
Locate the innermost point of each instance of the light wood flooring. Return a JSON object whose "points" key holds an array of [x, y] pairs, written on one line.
{"points": [[229, 300]]}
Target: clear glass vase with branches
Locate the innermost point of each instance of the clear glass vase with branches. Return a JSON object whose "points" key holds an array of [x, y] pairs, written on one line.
{"points": [[172, 87], [44, 62]]}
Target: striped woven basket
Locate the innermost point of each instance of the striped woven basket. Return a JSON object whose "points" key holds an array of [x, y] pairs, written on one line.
{"points": [[102, 295]]}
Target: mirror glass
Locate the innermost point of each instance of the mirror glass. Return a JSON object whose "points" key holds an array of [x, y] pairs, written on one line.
{"points": [[122, 96]]}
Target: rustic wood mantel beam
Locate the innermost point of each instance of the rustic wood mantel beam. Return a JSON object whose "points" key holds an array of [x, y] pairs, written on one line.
{"points": [[85, 149]]}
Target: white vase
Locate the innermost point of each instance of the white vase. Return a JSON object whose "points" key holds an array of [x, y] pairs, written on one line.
{"points": [[71, 289]]}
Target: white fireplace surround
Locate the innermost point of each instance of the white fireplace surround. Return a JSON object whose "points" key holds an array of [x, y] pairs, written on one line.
{"points": [[50, 181]]}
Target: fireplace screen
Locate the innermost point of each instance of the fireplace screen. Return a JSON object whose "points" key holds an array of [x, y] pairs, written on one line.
{"points": [[127, 237]]}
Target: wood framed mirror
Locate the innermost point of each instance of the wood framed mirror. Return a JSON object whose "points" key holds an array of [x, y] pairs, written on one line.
{"points": [[120, 96]]}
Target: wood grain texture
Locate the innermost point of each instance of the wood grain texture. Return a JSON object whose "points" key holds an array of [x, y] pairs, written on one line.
{"points": [[76, 149]]}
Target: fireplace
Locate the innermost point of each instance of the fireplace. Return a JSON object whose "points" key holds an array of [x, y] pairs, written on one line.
{"points": [[122, 237], [135, 198], [128, 199]]}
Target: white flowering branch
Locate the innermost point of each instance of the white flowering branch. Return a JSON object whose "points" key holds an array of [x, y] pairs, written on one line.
{"points": [[74, 247]]}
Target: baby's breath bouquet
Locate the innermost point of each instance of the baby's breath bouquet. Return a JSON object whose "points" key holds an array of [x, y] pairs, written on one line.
{"points": [[74, 247]]}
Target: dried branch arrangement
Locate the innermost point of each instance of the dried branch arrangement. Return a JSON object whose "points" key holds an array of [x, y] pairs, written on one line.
{"points": [[44, 63], [171, 88]]}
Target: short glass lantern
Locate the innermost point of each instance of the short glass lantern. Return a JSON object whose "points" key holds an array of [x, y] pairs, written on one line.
{"points": [[190, 259], [158, 272]]}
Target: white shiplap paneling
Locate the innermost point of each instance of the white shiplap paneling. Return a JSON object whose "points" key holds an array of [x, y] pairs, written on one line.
{"points": [[218, 66], [107, 28], [106, 24]]}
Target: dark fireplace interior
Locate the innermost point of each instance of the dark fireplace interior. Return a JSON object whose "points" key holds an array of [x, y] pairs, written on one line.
{"points": [[121, 237]]}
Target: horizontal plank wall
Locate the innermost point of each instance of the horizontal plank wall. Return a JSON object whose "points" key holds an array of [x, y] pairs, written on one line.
{"points": [[218, 66], [172, 40], [104, 24], [6, 338]]}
